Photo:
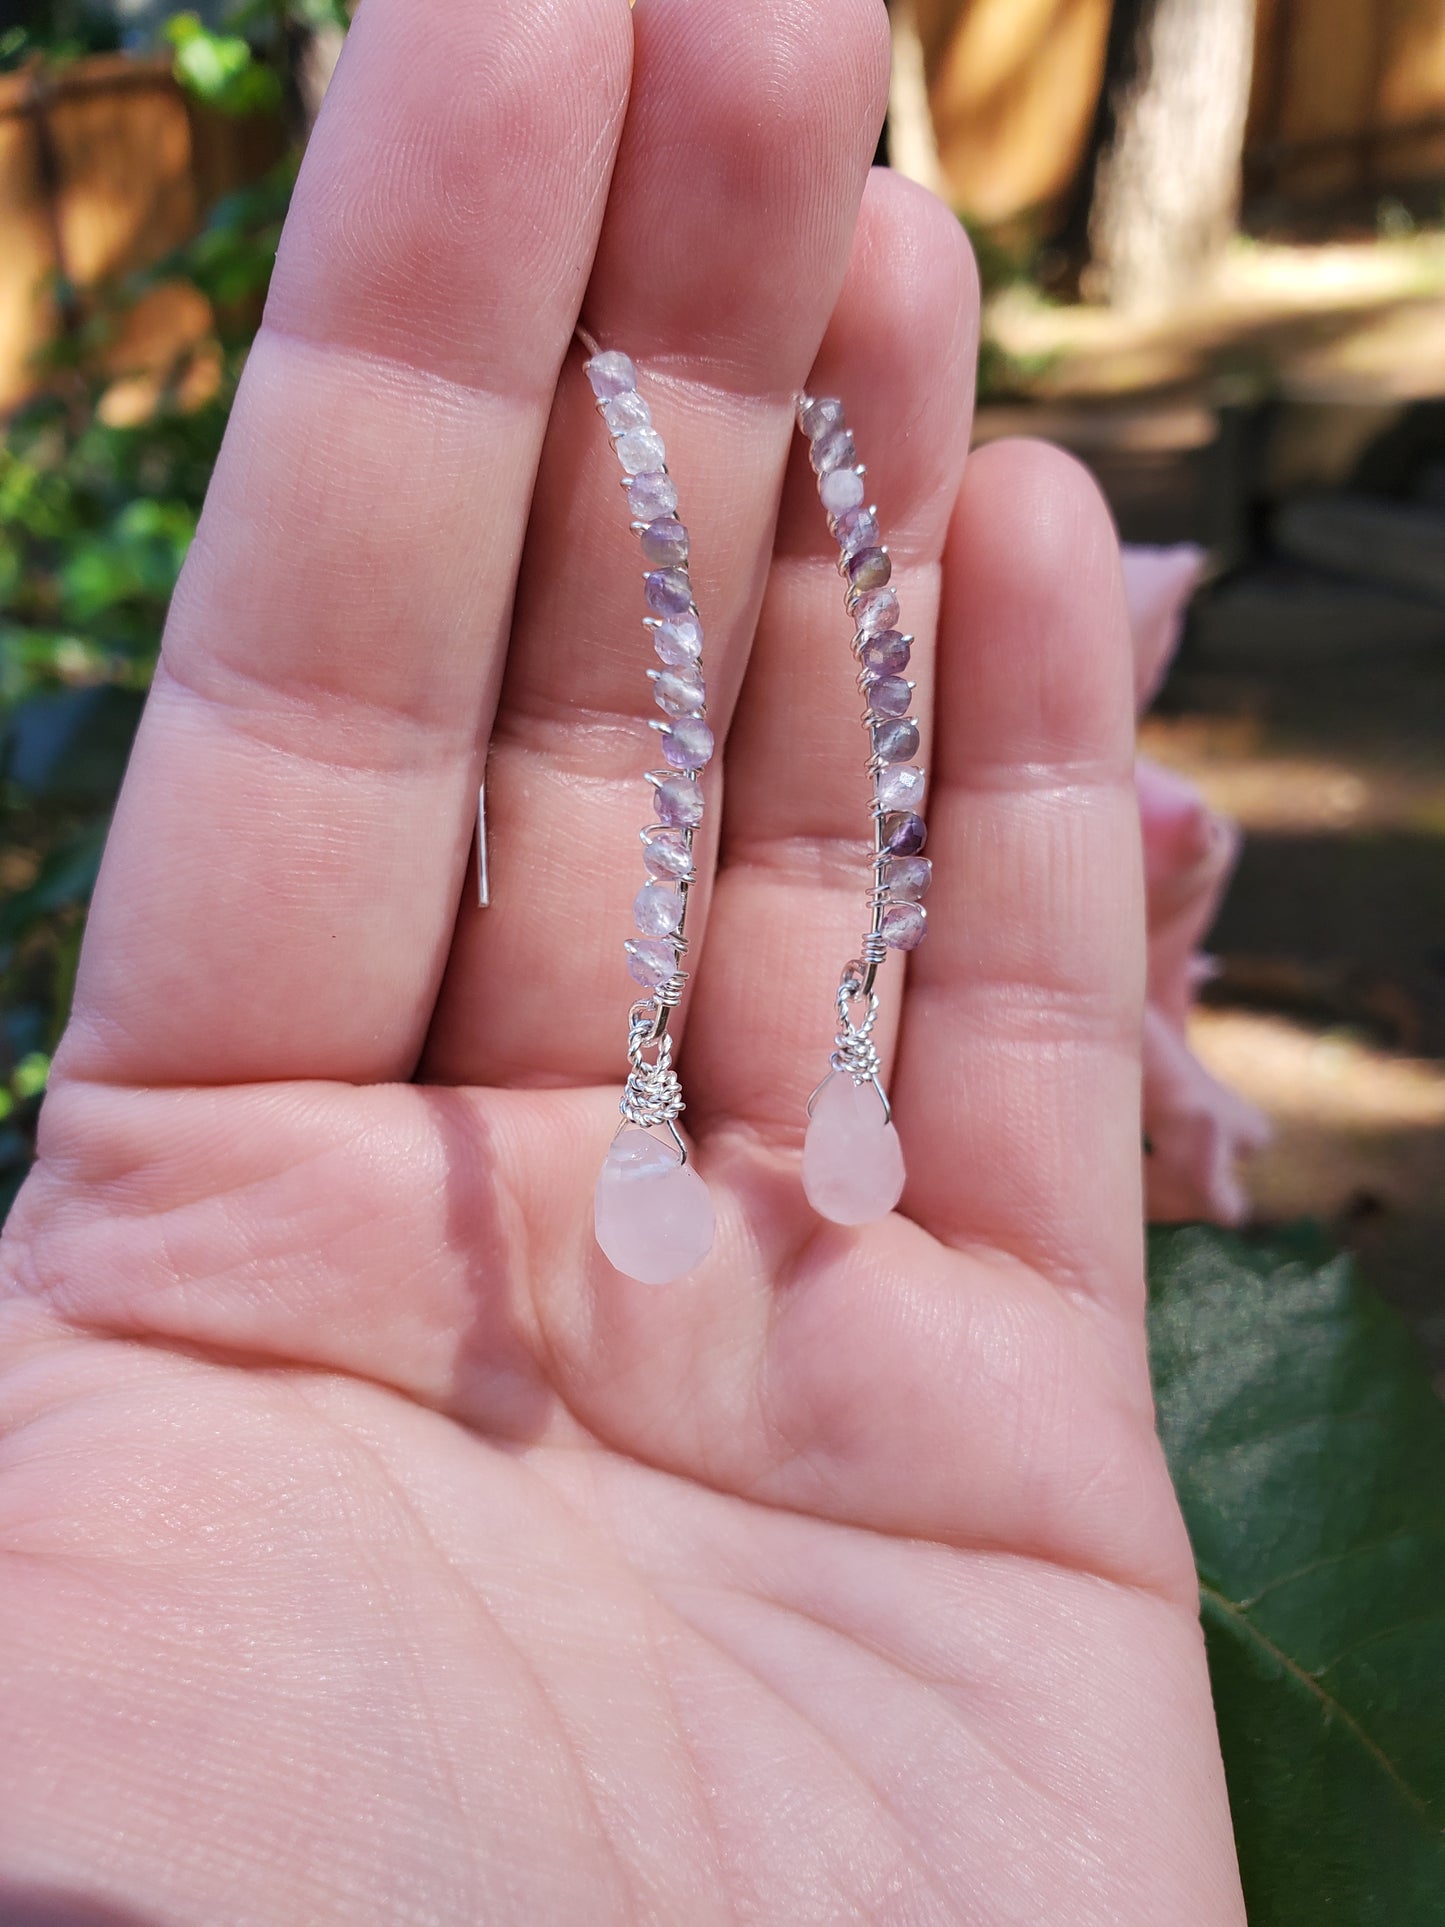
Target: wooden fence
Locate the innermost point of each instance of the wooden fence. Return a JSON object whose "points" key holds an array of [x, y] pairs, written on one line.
{"points": [[104, 167]]}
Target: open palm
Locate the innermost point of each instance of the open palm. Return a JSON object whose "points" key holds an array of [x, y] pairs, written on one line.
{"points": [[372, 1551]]}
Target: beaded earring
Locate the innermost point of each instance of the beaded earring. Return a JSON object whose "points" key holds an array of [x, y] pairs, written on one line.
{"points": [[653, 1215], [852, 1159]]}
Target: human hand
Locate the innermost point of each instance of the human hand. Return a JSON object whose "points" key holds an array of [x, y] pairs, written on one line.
{"points": [[372, 1551]]}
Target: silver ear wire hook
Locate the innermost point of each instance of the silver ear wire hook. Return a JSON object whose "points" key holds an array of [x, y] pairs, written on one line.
{"points": [[484, 890]]}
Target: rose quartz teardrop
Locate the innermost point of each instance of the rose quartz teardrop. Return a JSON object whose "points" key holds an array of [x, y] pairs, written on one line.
{"points": [[653, 1215], [852, 1160]]}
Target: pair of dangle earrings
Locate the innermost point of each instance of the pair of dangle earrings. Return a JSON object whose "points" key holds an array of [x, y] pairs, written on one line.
{"points": [[654, 1217]]}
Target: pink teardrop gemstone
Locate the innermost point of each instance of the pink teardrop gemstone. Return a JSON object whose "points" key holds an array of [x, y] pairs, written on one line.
{"points": [[852, 1159], [652, 1212]]}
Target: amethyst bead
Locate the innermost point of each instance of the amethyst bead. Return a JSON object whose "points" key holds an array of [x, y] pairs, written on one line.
{"points": [[840, 489], [657, 909], [895, 741], [627, 410], [666, 854], [888, 696], [815, 418], [869, 568], [688, 743], [651, 494], [680, 692], [611, 373], [906, 878], [650, 961], [874, 611], [904, 833], [835, 449], [856, 529], [886, 653], [903, 925], [901, 787], [668, 592], [640, 450], [664, 543], [678, 802], [678, 641]]}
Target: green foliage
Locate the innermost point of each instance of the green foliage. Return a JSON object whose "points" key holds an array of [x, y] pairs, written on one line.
{"points": [[221, 68], [1308, 1449]]}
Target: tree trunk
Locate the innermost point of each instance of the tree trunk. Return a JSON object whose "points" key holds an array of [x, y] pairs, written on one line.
{"points": [[1166, 193]]}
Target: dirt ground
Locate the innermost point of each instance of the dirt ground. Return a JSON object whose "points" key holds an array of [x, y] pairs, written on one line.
{"points": [[1329, 1007]]}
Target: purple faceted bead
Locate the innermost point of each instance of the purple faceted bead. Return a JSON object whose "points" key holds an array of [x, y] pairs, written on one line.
{"points": [[657, 909], [678, 641], [840, 489], [651, 494], [664, 543], [885, 654], [650, 961], [906, 878], [668, 592], [836, 449], [627, 410], [904, 833], [895, 741], [888, 696], [874, 611], [687, 743], [640, 451], [903, 925], [679, 802], [815, 418], [869, 568], [611, 373], [856, 529], [680, 692], [666, 854], [901, 787]]}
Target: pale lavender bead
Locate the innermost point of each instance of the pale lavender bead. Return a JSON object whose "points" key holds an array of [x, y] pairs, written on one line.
{"points": [[666, 854], [903, 925], [678, 801], [904, 833], [895, 742], [611, 373], [869, 568], [889, 696], [836, 449], [679, 691], [627, 410], [856, 529], [874, 611], [650, 961], [668, 592], [840, 489], [907, 877], [678, 640], [664, 543], [640, 450], [687, 743], [885, 654], [815, 418], [901, 787], [650, 495], [657, 909]]}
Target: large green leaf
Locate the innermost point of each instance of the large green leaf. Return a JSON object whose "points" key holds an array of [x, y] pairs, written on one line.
{"points": [[1308, 1449]]}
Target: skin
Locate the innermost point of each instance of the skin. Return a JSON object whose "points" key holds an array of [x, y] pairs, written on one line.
{"points": [[371, 1551]]}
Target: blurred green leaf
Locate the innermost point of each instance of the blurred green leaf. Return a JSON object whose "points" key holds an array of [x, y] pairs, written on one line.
{"points": [[64, 881], [220, 68], [1308, 1449]]}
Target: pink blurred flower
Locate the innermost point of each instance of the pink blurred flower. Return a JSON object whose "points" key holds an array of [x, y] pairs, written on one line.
{"points": [[1196, 1129]]}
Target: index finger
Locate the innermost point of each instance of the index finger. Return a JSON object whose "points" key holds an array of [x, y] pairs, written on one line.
{"points": [[281, 882]]}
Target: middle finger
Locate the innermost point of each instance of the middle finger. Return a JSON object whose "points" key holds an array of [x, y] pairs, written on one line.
{"points": [[746, 147]]}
